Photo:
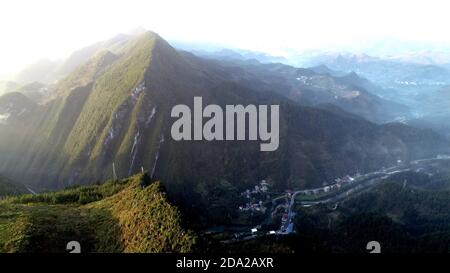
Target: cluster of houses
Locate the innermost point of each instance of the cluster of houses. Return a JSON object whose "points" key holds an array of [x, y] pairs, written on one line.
{"points": [[339, 182], [443, 157], [253, 207], [261, 188], [252, 195], [304, 80]]}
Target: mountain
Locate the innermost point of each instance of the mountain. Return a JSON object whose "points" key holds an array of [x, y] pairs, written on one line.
{"points": [[422, 86], [15, 106], [436, 114], [385, 71], [320, 85], [83, 55], [48, 72], [236, 54], [18, 115], [402, 80], [425, 57], [44, 71], [113, 112], [8, 86], [36, 91], [9, 188], [323, 69], [131, 215]]}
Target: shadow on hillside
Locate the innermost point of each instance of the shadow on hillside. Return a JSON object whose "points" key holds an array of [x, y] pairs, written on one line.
{"points": [[50, 229]]}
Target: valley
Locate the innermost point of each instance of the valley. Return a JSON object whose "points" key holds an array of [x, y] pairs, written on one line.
{"points": [[331, 195], [120, 147]]}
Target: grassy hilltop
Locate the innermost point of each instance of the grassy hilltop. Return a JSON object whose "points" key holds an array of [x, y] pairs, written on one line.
{"points": [[130, 215]]}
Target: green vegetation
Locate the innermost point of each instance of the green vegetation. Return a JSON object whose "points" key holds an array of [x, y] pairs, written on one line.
{"points": [[115, 109], [404, 219], [130, 215], [87, 72], [119, 79], [8, 188]]}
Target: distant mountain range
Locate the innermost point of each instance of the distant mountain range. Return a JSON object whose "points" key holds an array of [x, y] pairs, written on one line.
{"points": [[419, 81], [401, 78], [321, 85], [386, 71]]}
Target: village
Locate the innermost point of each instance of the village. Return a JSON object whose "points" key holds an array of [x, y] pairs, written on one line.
{"points": [[255, 198], [279, 206], [259, 198]]}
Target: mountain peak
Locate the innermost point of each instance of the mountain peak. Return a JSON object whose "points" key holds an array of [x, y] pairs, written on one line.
{"points": [[352, 75], [14, 97]]}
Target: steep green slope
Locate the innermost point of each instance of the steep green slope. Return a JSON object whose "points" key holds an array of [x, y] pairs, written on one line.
{"points": [[109, 91], [8, 188], [130, 215], [18, 114], [86, 73]]}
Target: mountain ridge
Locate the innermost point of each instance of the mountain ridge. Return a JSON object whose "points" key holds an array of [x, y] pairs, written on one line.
{"points": [[121, 117]]}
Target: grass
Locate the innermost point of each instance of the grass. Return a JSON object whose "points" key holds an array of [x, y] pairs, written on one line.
{"points": [[130, 215]]}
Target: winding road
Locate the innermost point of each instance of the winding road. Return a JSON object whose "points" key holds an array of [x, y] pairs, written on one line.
{"points": [[364, 182]]}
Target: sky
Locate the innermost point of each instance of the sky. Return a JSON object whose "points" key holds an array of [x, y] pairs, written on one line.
{"points": [[31, 30]]}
